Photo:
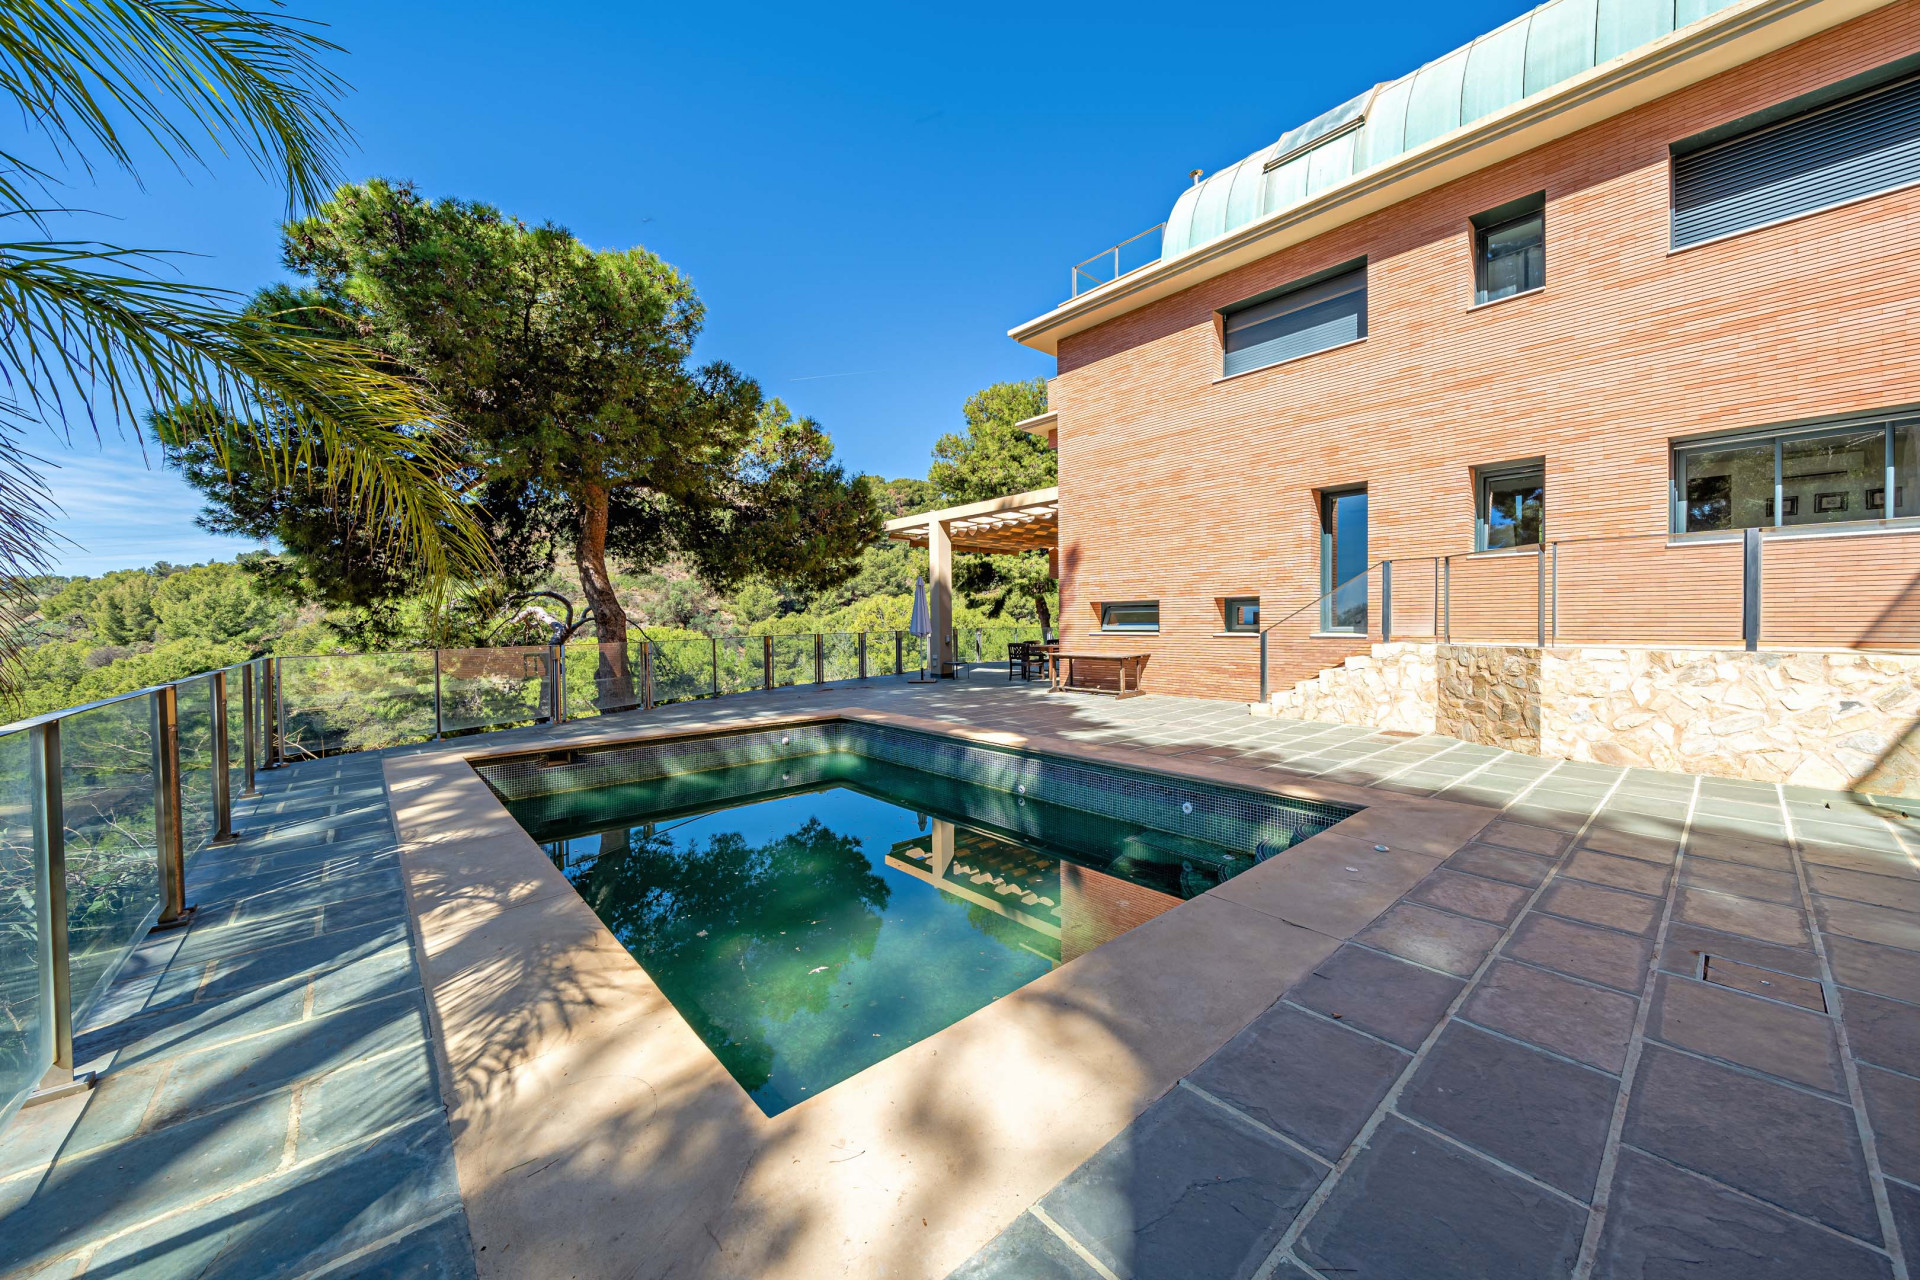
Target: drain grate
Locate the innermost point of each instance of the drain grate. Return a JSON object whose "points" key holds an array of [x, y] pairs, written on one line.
{"points": [[1770, 983]]}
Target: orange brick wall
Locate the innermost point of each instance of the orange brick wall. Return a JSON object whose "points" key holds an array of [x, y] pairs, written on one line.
{"points": [[1180, 486]]}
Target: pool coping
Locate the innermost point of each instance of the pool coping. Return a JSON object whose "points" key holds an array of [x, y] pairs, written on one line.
{"points": [[594, 1132]]}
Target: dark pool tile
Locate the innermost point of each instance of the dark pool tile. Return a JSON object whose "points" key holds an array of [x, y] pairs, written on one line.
{"points": [[1432, 938], [1491, 900], [1617, 872], [1893, 1108], [1687, 943], [1782, 1040], [1585, 1023], [1665, 1222], [1026, 1250], [1186, 1190], [1377, 994], [1540, 1114], [1765, 921], [1308, 1078], [1496, 863], [1883, 1032], [1614, 908], [1415, 1206], [1599, 955], [1786, 1146]]}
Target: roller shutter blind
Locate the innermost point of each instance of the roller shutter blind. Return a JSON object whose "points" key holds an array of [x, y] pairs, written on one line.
{"points": [[1312, 317], [1856, 147]]}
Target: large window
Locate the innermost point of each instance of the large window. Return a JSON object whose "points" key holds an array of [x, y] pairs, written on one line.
{"points": [[1510, 249], [1825, 149], [1817, 476], [1310, 315], [1512, 506], [1130, 615], [1343, 560]]}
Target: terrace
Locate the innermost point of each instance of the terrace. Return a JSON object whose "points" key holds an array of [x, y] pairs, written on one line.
{"points": [[1514, 1016]]}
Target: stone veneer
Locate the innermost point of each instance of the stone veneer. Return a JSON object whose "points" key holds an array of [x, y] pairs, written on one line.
{"points": [[1820, 719]]}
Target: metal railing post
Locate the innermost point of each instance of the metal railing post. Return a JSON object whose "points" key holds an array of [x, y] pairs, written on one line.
{"points": [[169, 838], [863, 656], [819, 658], [439, 720], [50, 898], [1446, 600], [646, 675], [1540, 602], [713, 659], [557, 677], [1553, 574], [249, 728], [899, 655], [1263, 669], [1750, 590], [1386, 602], [766, 662], [222, 780], [278, 694]]}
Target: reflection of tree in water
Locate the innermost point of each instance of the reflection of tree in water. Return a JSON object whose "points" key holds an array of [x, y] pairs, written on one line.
{"points": [[732, 932]]}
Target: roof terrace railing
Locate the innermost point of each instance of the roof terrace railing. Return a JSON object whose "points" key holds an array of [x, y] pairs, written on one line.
{"points": [[103, 807], [1122, 259]]}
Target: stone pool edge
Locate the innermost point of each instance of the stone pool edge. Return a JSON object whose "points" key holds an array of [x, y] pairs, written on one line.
{"points": [[593, 1130]]}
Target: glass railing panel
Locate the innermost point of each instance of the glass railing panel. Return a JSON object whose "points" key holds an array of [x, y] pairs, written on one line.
{"points": [[1495, 598], [1840, 592], [26, 1047], [357, 702], [882, 659], [113, 876], [236, 733], [1416, 601], [740, 665], [792, 660], [682, 669], [842, 653], [603, 677], [494, 688], [1644, 590], [197, 820]]}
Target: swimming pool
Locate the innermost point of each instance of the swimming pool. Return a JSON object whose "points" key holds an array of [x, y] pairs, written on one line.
{"points": [[816, 898]]}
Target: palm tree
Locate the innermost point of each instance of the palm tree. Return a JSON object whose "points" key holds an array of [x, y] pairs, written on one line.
{"points": [[93, 328]]}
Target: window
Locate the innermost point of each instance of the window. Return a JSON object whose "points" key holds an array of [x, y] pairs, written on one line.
{"points": [[1510, 249], [1310, 315], [1512, 509], [1815, 152], [1130, 615], [1343, 561], [1820, 475], [1243, 613]]}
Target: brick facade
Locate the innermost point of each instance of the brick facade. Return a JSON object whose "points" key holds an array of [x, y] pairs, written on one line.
{"points": [[1181, 486]]}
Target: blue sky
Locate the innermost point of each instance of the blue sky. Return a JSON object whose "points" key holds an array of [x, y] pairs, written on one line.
{"points": [[867, 197]]}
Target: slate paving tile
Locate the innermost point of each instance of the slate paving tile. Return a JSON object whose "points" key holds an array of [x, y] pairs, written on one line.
{"points": [[1565, 820], [1766, 921], [1585, 1023], [1540, 1114], [348, 1106], [150, 1175], [1496, 863], [1634, 835], [1377, 994], [1755, 981], [295, 959], [1186, 1190], [371, 976], [1868, 966], [1489, 900], [1741, 880], [444, 1251], [1893, 1108], [1883, 1032], [1303, 1076], [1773, 854], [1869, 923], [1904, 1201], [1786, 1041], [1518, 835], [1612, 959], [1614, 908], [1846, 836], [1786, 1146], [1617, 872], [1026, 1250], [1432, 938], [1686, 943], [1415, 1206], [1861, 886], [1666, 1222], [1879, 862]]}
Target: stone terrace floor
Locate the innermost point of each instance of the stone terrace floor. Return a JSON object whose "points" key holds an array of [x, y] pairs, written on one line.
{"points": [[1647, 1025]]}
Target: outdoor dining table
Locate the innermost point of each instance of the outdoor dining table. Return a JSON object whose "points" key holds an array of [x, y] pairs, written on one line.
{"points": [[1061, 672]]}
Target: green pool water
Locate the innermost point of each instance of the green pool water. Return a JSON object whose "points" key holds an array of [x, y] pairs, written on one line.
{"points": [[809, 919]]}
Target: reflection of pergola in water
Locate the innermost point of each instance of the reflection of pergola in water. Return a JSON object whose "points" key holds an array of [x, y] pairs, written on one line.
{"points": [[1087, 907], [999, 526]]}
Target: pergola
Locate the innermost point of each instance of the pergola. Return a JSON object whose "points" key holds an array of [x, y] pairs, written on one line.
{"points": [[999, 526]]}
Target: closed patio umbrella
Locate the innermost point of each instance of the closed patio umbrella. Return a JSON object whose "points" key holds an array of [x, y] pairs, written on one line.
{"points": [[920, 626]]}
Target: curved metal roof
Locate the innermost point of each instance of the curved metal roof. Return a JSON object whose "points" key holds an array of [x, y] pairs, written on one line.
{"points": [[1534, 52]]}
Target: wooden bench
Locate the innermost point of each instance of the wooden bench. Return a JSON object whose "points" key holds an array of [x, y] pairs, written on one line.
{"points": [[1114, 673]]}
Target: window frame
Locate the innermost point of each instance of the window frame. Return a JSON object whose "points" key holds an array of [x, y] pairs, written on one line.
{"points": [[1485, 477], [1499, 218], [1889, 421], [1107, 608], [1223, 318], [1228, 623]]}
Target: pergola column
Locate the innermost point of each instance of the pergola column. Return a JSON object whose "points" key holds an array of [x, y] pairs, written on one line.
{"points": [[940, 594]]}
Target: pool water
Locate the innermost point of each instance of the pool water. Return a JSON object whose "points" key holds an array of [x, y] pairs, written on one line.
{"points": [[810, 919]]}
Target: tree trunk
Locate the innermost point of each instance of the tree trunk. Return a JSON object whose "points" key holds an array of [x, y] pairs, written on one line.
{"points": [[613, 673], [1040, 607]]}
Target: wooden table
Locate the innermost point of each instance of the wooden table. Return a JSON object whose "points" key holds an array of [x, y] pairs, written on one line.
{"points": [[1061, 672]]}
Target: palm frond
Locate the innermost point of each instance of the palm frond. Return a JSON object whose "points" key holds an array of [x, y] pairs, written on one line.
{"points": [[26, 533], [193, 77]]}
